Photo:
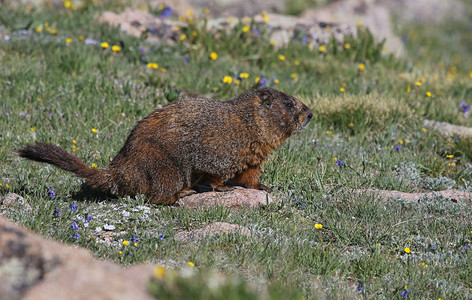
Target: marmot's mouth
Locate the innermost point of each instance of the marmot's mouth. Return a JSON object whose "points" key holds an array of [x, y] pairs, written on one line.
{"points": [[305, 122]]}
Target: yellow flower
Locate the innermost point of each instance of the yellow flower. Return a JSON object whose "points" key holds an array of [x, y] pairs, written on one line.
{"points": [[189, 13], [126, 243], [450, 156], [135, 244], [408, 89], [361, 67], [67, 4], [246, 28], [257, 79], [68, 40], [121, 252], [94, 165], [33, 129], [163, 70], [296, 63], [74, 148], [7, 186], [81, 37], [237, 81], [74, 141], [422, 79], [329, 132], [191, 264], [384, 48], [342, 90], [266, 19], [378, 244], [39, 29], [243, 75], [293, 75], [116, 48], [400, 142], [181, 18], [227, 79], [347, 46], [213, 55], [94, 130], [159, 272], [335, 159], [104, 45], [182, 37], [194, 33], [281, 57], [318, 226], [407, 250], [53, 31], [428, 94], [424, 129], [470, 74], [417, 83], [154, 66], [351, 124], [322, 48], [276, 81], [272, 42], [206, 11]]}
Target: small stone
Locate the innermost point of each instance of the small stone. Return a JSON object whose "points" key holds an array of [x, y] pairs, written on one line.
{"points": [[14, 201], [211, 230], [238, 197]]}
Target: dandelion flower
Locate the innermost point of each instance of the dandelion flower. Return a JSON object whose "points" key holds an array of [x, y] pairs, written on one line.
{"points": [[293, 75], [408, 89], [351, 124], [227, 79], [428, 94], [281, 57], [361, 67], [182, 37], [318, 226], [39, 29], [407, 250], [33, 129], [68, 40], [94, 165], [322, 48], [154, 66], [347, 46], [266, 19], [67, 4], [246, 28], [272, 42], [116, 48], [126, 243], [417, 83], [450, 156], [191, 264], [342, 90], [213, 55], [94, 130], [105, 45], [296, 62], [243, 75]]}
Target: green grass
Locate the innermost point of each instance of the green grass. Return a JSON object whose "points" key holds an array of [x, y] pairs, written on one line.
{"points": [[56, 92]]}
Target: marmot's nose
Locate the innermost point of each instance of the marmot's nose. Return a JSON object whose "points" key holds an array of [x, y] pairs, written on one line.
{"points": [[309, 116]]}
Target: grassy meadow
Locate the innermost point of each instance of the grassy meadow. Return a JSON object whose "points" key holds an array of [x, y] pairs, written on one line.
{"points": [[67, 80]]}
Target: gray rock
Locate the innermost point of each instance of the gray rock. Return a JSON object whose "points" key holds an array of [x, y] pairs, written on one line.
{"points": [[238, 197], [211, 230], [448, 129], [14, 201]]}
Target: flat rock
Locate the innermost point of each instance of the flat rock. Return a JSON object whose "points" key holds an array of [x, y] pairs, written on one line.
{"points": [[32, 267], [238, 197], [211, 230], [448, 129], [452, 194], [14, 201]]}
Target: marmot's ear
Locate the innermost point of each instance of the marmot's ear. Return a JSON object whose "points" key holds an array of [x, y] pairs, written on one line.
{"points": [[266, 99]]}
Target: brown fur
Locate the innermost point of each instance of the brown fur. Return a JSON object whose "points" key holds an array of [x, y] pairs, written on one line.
{"points": [[191, 141]]}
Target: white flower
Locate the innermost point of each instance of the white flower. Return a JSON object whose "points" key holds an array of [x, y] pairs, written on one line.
{"points": [[109, 227]]}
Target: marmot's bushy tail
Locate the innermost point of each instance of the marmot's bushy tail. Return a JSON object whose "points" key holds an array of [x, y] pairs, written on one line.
{"points": [[54, 155]]}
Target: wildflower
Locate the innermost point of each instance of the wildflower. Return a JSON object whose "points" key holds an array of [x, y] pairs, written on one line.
{"points": [[57, 212], [166, 12], [105, 45], [424, 129], [191, 264], [464, 108], [53, 31], [347, 46], [134, 239], [109, 227], [255, 31], [182, 37], [466, 247], [227, 79], [88, 218], [398, 148], [322, 48], [246, 28], [116, 48], [293, 75], [281, 57], [52, 193], [68, 40], [360, 287], [407, 250], [340, 163], [159, 272], [94, 130], [450, 155], [74, 148], [94, 165], [206, 11], [33, 129], [154, 66], [243, 75], [74, 226], [76, 235], [161, 236], [361, 67], [72, 207], [262, 81], [296, 62], [351, 125], [81, 37], [417, 83], [126, 243], [305, 40], [404, 294], [302, 205], [213, 55], [67, 4], [318, 226], [272, 42], [39, 29], [456, 139], [342, 90], [400, 142], [428, 94]]}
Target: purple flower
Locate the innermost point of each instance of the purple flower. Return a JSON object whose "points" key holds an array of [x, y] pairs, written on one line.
{"points": [[153, 31], [456, 139], [186, 59], [394, 132], [466, 247], [57, 212], [166, 12], [398, 148], [340, 163], [360, 287], [262, 81], [133, 239], [464, 108], [50, 115], [74, 226], [52, 193], [255, 31], [305, 40], [88, 218], [405, 294], [141, 49], [76, 236], [72, 207], [302, 205], [161, 236]]}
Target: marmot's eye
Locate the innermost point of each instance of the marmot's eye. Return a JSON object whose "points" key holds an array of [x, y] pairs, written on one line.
{"points": [[288, 104]]}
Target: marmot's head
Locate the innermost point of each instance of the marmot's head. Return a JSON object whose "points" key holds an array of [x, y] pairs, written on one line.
{"points": [[281, 113]]}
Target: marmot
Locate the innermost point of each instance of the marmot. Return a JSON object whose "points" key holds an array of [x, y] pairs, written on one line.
{"points": [[188, 142]]}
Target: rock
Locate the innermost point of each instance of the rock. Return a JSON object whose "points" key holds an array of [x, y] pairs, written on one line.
{"points": [[32, 267], [454, 195], [448, 129], [211, 230], [238, 197], [14, 201]]}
